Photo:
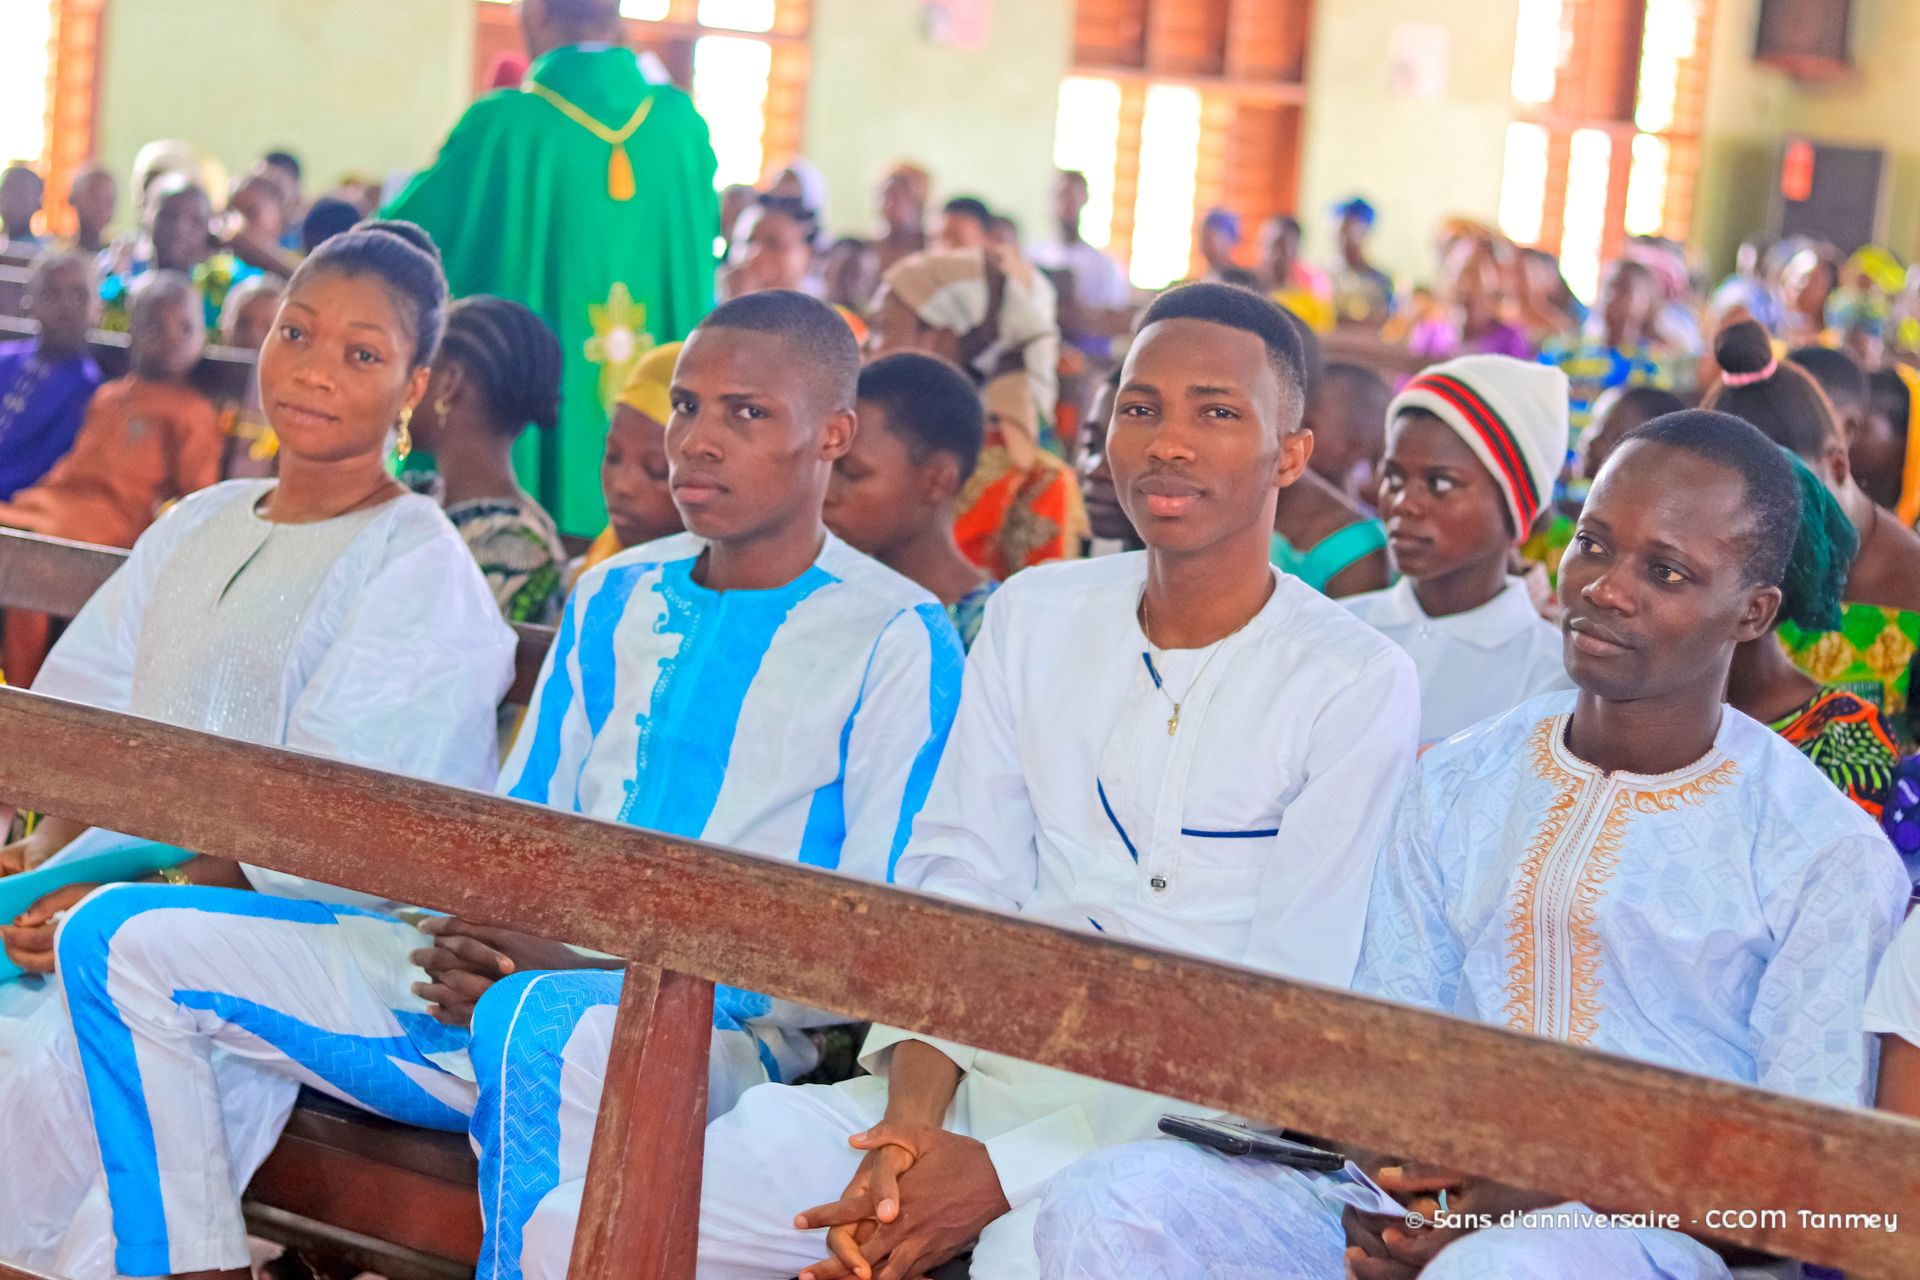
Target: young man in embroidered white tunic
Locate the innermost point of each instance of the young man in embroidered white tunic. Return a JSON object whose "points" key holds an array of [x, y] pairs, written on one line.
{"points": [[1473, 446], [1634, 866], [1118, 765]]}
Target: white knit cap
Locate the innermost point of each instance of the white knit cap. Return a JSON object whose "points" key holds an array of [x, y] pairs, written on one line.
{"points": [[1512, 414]]}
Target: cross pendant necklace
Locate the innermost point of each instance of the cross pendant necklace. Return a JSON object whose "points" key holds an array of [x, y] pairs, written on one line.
{"points": [[1173, 721]]}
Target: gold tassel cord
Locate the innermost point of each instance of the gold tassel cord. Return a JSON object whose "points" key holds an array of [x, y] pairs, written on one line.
{"points": [[620, 181]]}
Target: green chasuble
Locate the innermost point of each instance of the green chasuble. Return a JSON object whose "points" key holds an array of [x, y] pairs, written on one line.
{"points": [[530, 202]]}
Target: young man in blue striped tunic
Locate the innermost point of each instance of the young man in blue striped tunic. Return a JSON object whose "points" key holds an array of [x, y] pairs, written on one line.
{"points": [[754, 683]]}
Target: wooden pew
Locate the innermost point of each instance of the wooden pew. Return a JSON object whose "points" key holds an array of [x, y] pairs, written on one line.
{"points": [[343, 1184], [13, 290], [223, 375], [1528, 1111], [1537, 1113], [1364, 347]]}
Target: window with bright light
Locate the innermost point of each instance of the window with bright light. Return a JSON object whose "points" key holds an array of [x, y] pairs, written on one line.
{"points": [[1536, 51], [745, 63], [25, 64], [1523, 182], [739, 15], [1163, 215], [1573, 143], [1086, 139], [730, 75]]}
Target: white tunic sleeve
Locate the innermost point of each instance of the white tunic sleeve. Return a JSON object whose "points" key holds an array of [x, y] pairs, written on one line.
{"points": [[1893, 1007], [899, 730], [974, 839], [1411, 953], [1311, 907], [412, 681], [1834, 921]]}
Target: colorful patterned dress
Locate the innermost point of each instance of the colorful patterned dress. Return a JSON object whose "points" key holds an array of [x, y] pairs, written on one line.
{"points": [[520, 553], [1871, 656], [1848, 739]]}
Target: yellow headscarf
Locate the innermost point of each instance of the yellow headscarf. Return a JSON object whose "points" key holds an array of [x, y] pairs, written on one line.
{"points": [[1909, 508], [647, 386]]}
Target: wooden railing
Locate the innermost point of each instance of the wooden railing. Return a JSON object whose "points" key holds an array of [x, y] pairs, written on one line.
{"points": [[1531, 1112]]}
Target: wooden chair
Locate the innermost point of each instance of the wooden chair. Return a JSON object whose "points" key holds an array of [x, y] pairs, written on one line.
{"points": [[1526, 1111]]}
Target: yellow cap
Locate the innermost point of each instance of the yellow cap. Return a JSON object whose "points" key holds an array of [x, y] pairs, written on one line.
{"points": [[646, 388]]}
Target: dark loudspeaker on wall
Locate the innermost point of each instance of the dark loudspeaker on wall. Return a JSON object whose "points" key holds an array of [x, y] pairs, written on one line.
{"points": [[1805, 38]]}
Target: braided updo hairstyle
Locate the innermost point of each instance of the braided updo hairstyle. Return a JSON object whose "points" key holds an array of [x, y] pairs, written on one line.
{"points": [[1775, 395], [512, 356], [406, 262]]}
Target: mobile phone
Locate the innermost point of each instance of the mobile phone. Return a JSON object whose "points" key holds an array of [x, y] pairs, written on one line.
{"points": [[1239, 1140]]}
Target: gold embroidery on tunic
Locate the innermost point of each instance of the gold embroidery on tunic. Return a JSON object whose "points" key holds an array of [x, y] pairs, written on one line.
{"points": [[1532, 959]]}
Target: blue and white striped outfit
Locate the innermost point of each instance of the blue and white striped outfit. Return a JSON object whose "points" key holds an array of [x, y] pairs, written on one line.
{"points": [[803, 722]]}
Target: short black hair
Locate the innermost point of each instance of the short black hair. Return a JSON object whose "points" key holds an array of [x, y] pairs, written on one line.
{"points": [[1243, 309], [1887, 391], [1838, 374], [283, 160], [969, 207], [1649, 401], [39, 183], [328, 217], [1772, 492], [1287, 222], [45, 265], [1785, 402], [930, 404], [513, 356], [162, 288], [406, 261], [807, 326]]}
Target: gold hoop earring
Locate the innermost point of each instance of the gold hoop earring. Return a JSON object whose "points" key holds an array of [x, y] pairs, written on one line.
{"points": [[403, 442]]}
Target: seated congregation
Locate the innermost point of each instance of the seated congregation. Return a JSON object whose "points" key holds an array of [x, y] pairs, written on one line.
{"points": [[1536, 688]]}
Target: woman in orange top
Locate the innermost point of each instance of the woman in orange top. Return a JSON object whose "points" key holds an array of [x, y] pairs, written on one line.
{"points": [[149, 438]]}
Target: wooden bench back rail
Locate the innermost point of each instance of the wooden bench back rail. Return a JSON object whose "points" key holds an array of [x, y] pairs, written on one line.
{"points": [[1534, 1112], [51, 575], [223, 374]]}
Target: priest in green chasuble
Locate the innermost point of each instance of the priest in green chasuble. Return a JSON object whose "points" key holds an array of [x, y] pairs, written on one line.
{"points": [[587, 194]]}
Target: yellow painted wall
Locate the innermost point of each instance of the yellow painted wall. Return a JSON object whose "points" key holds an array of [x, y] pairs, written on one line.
{"points": [[1750, 109], [364, 86], [1416, 160], [982, 120]]}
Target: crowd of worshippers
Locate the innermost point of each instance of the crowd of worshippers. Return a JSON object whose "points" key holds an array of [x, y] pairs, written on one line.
{"points": [[1564, 685]]}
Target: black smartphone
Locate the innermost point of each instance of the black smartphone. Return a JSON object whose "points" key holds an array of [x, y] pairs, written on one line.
{"points": [[1238, 1140]]}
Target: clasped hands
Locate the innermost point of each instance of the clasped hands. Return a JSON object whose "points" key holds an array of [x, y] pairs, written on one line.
{"points": [[921, 1195]]}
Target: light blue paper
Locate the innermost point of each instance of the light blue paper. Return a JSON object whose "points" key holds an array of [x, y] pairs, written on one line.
{"points": [[110, 866]]}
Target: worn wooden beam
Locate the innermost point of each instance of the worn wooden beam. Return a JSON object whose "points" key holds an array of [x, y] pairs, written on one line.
{"points": [[1573, 1122], [52, 575], [9, 1271], [640, 1211]]}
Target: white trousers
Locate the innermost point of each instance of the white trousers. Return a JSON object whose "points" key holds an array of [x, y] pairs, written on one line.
{"points": [[196, 1015], [540, 1046], [1172, 1211], [782, 1149]]}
